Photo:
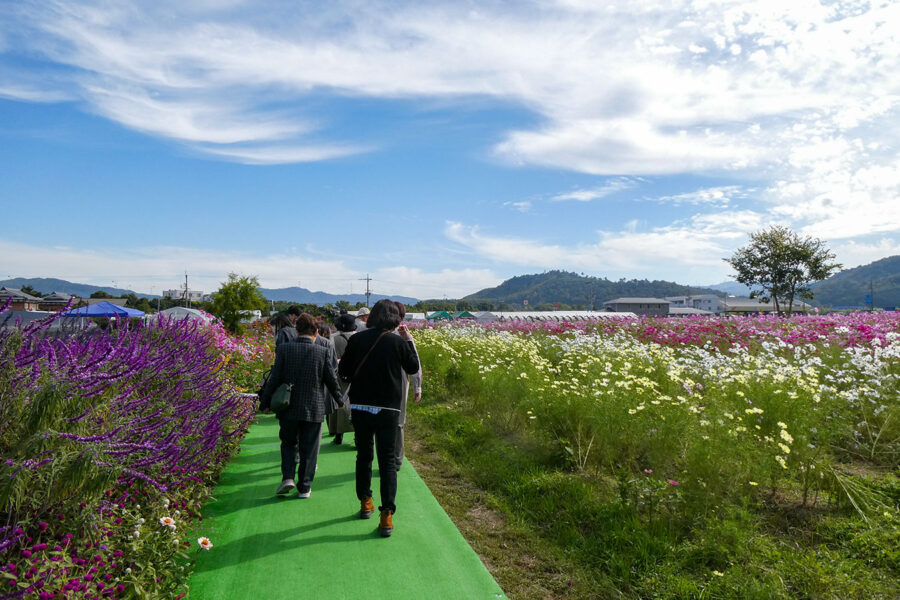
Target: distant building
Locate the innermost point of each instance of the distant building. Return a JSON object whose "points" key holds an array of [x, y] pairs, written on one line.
{"points": [[680, 311], [549, 316], [747, 306], [55, 302], [18, 300], [639, 306], [705, 302], [192, 295]]}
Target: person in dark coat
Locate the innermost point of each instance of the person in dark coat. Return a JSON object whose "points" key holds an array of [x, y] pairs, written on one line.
{"points": [[308, 366], [284, 328], [339, 421], [372, 363]]}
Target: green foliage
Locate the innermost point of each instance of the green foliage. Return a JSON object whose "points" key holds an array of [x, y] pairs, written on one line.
{"points": [[101, 294], [783, 264], [31, 291], [238, 294]]}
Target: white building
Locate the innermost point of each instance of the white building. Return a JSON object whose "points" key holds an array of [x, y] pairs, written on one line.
{"points": [[707, 302], [192, 295]]}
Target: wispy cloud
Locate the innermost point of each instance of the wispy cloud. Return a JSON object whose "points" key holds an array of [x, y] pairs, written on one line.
{"points": [[716, 196], [802, 92], [521, 206], [609, 188]]}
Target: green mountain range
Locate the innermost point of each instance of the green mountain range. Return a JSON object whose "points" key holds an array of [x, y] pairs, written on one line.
{"points": [[881, 279], [545, 290]]}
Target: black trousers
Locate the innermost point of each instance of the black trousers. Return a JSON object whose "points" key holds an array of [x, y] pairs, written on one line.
{"points": [[382, 430], [299, 451]]}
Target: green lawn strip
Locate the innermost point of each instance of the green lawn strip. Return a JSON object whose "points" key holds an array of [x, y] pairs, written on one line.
{"points": [[271, 547]]}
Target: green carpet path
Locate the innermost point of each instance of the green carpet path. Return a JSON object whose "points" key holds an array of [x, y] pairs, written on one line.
{"points": [[273, 548]]}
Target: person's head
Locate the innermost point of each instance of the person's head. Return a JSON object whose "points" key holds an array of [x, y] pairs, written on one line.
{"points": [[363, 314], [345, 323], [400, 307], [293, 313], [307, 325], [384, 315], [279, 322], [324, 329]]}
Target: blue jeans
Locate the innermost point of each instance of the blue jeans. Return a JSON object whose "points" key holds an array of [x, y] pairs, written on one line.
{"points": [[382, 430]]}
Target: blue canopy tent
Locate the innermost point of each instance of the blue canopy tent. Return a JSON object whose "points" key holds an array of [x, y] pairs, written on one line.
{"points": [[103, 309]]}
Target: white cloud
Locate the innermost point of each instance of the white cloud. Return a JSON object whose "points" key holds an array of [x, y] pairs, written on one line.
{"points": [[718, 196], [275, 155], [28, 93], [438, 284], [152, 269], [802, 93], [853, 254], [612, 186], [688, 250], [521, 206]]}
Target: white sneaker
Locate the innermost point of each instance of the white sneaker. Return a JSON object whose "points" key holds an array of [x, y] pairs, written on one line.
{"points": [[286, 486], [304, 494]]}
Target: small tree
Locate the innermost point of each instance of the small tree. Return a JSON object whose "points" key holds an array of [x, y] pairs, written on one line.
{"points": [[236, 295], [101, 294], [783, 264], [31, 291]]}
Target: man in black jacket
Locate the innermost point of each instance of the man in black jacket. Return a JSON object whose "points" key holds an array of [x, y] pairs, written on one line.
{"points": [[372, 363], [308, 367]]}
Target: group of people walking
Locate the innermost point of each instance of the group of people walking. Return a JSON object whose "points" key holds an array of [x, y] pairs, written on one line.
{"points": [[357, 378]]}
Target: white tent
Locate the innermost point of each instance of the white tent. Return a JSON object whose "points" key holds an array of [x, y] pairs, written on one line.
{"points": [[178, 313]]}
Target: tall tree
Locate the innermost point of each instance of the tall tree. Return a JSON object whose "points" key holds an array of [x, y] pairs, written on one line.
{"points": [[238, 294], [783, 264]]}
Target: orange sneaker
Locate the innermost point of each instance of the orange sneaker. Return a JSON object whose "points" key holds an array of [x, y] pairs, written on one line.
{"points": [[366, 508], [386, 526]]}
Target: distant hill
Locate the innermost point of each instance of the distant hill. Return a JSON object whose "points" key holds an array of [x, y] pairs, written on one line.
{"points": [[849, 288], [304, 296], [577, 290], [82, 290], [291, 294]]}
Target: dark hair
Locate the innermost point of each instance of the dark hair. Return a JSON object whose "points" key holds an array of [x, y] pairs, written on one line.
{"points": [[384, 315], [294, 310], [307, 324], [401, 308], [279, 321], [324, 329], [345, 322]]}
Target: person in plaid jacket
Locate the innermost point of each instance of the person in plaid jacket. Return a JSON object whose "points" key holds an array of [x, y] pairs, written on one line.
{"points": [[308, 366]]}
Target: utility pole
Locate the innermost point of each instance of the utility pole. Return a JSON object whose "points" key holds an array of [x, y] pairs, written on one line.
{"points": [[187, 297], [872, 296], [367, 279]]}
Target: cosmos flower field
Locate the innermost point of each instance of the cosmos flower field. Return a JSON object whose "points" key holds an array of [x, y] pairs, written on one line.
{"points": [[676, 420]]}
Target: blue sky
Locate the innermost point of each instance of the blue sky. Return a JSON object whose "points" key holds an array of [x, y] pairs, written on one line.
{"points": [[439, 147]]}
